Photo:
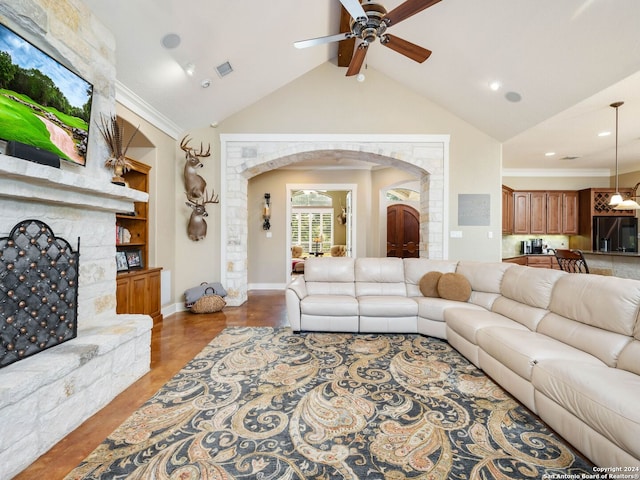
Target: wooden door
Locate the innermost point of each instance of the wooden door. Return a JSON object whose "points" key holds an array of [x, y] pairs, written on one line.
{"points": [[403, 231]]}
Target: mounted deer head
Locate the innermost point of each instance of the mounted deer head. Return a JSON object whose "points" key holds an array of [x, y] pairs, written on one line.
{"points": [[195, 185], [197, 227]]}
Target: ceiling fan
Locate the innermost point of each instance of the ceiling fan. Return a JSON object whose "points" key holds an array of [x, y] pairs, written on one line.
{"points": [[370, 21]]}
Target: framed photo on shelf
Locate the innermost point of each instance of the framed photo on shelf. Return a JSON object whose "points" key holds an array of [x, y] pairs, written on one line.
{"points": [[121, 262], [134, 259]]}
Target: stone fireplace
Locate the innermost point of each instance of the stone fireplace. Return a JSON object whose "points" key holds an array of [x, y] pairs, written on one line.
{"points": [[45, 396]]}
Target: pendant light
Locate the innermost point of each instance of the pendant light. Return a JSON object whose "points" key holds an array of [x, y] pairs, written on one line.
{"points": [[616, 199]]}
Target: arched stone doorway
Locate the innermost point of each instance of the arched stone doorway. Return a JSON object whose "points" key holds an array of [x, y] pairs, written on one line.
{"points": [[244, 156]]}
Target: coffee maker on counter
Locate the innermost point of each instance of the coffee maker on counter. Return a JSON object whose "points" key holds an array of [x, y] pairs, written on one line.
{"points": [[531, 247]]}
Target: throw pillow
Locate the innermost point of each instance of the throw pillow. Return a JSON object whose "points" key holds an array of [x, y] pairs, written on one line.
{"points": [[454, 286], [429, 284]]}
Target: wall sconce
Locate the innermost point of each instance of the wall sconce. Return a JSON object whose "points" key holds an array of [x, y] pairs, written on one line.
{"points": [[266, 212]]}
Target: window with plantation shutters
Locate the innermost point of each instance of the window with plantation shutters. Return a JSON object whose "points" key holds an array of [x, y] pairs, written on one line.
{"points": [[312, 228]]}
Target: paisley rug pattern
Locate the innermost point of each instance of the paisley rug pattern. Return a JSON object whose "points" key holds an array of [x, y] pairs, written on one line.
{"points": [[264, 403]]}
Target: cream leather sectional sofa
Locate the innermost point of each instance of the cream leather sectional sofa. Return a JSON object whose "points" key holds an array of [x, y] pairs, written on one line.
{"points": [[566, 345]]}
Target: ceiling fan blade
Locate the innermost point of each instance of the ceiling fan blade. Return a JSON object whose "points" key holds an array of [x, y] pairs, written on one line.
{"points": [[357, 60], [354, 8], [406, 10], [345, 47], [408, 49], [321, 40]]}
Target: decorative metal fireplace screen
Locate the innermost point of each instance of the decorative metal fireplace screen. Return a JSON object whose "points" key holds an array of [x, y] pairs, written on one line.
{"points": [[38, 291]]}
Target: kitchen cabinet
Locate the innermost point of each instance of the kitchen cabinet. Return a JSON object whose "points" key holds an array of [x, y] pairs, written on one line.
{"points": [[542, 261], [536, 261], [138, 291], [521, 212], [594, 202], [538, 223], [545, 212], [507, 210]]}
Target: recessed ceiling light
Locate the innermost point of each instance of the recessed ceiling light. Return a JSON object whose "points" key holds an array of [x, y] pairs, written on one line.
{"points": [[495, 85], [549, 154], [206, 83], [604, 134], [171, 40]]}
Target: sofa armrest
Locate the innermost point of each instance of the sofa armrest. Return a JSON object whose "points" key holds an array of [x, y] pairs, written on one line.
{"points": [[299, 286], [295, 292]]}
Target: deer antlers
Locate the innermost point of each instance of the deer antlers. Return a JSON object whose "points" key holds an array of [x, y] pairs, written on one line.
{"points": [[190, 151], [196, 189]]}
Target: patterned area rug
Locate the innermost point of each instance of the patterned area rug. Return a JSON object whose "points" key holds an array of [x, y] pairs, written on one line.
{"points": [[263, 403]]}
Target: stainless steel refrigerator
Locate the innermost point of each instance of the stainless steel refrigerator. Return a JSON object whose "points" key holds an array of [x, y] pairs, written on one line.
{"points": [[615, 234]]}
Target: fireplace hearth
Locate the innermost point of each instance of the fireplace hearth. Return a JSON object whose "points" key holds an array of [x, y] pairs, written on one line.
{"points": [[38, 291]]}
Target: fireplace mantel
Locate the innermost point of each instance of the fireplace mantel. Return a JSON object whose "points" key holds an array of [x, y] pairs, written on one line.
{"points": [[24, 180]]}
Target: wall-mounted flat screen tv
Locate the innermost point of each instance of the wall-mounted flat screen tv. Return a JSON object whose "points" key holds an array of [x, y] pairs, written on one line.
{"points": [[43, 104]]}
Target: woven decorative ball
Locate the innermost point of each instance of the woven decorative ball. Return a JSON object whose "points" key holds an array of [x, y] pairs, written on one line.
{"points": [[453, 286], [429, 284]]}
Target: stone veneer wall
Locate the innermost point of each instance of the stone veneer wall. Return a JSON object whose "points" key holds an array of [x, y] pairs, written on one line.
{"points": [[245, 156], [44, 397]]}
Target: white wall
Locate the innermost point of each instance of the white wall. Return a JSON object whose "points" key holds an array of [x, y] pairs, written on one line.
{"points": [[325, 101]]}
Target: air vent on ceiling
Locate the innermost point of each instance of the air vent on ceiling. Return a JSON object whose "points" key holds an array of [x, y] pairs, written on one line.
{"points": [[224, 69]]}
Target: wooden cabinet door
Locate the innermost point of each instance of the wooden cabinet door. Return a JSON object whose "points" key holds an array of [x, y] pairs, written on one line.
{"points": [[138, 294], [507, 210], [570, 213], [122, 295], [153, 305], [538, 212], [521, 212], [555, 213]]}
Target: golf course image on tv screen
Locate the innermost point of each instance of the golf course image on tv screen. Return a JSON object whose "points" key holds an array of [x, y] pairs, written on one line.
{"points": [[42, 102]]}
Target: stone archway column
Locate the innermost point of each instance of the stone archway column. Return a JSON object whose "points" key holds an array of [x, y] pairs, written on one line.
{"points": [[244, 156]]}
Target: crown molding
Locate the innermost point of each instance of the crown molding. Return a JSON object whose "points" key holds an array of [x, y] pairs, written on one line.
{"points": [[137, 105], [556, 172]]}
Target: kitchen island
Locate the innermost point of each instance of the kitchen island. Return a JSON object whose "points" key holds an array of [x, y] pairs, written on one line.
{"points": [[618, 264]]}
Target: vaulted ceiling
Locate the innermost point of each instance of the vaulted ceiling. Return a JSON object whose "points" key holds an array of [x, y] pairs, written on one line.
{"points": [[562, 61]]}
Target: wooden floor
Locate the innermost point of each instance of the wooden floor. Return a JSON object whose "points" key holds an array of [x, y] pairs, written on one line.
{"points": [[175, 341]]}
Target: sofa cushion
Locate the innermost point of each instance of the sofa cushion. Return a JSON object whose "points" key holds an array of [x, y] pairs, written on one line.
{"points": [[467, 323], [522, 313], [387, 306], [609, 303], [415, 268], [434, 308], [380, 276], [331, 275], [600, 396], [530, 286], [429, 284], [454, 286], [520, 350], [484, 276], [599, 342], [329, 305]]}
